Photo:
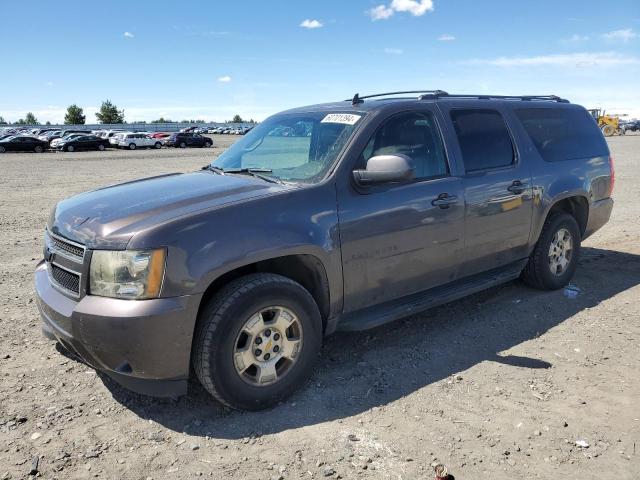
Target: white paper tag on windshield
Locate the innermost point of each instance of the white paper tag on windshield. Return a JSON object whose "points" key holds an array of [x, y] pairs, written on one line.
{"points": [[346, 118]]}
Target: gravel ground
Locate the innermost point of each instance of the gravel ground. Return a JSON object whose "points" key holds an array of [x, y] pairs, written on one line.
{"points": [[505, 384]]}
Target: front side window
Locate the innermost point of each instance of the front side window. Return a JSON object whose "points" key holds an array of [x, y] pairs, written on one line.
{"points": [[299, 147], [415, 135], [483, 138]]}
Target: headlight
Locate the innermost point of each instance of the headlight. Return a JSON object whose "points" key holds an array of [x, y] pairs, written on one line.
{"points": [[132, 274]]}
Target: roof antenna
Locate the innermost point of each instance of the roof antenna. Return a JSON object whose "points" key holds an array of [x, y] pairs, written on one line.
{"points": [[356, 100]]}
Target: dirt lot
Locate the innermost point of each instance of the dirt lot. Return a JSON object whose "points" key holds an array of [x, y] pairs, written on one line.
{"points": [[501, 385]]}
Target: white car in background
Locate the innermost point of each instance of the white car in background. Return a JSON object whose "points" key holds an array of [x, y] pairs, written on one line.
{"points": [[133, 140]]}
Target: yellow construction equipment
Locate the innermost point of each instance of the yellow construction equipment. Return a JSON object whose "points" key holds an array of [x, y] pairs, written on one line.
{"points": [[609, 124]]}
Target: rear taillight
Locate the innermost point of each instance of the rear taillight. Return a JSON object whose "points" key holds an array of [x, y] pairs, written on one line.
{"points": [[612, 177]]}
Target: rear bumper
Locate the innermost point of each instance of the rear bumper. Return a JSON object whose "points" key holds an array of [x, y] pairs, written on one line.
{"points": [[599, 214], [143, 345]]}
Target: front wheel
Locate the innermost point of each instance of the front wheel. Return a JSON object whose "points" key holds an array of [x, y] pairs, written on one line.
{"points": [[157, 145], [2, 149], [555, 256], [132, 146], [207, 144], [183, 145], [101, 147], [70, 148], [38, 149], [257, 341]]}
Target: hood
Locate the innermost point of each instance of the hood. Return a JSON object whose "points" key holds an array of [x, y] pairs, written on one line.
{"points": [[109, 217]]}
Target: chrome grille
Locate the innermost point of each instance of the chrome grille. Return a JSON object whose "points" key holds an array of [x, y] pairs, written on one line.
{"points": [[65, 279], [71, 250]]}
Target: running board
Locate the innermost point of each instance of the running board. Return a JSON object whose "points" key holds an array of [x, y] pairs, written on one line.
{"points": [[377, 315]]}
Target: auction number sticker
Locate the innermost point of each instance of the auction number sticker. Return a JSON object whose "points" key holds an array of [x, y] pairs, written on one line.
{"points": [[345, 118]]}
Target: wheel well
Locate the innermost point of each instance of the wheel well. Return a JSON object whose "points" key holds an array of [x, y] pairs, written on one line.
{"points": [[307, 270], [577, 206]]}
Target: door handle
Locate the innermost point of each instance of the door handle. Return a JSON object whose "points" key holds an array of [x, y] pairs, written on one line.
{"points": [[517, 187], [444, 200]]}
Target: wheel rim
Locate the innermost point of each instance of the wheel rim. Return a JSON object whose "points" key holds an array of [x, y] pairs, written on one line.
{"points": [[560, 251], [70, 149], [101, 147], [2, 149], [38, 149], [267, 346]]}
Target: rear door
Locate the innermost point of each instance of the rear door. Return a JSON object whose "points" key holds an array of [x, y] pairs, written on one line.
{"points": [[497, 188]]}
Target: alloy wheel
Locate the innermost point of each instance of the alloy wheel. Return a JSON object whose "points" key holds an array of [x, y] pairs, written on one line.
{"points": [[560, 251]]}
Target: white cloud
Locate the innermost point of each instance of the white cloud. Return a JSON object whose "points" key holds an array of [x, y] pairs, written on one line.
{"points": [[128, 34], [416, 8], [224, 79], [446, 38], [595, 59], [309, 23], [575, 38], [394, 51], [623, 35]]}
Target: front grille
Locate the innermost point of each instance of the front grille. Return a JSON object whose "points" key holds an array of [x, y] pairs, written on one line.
{"points": [[65, 279], [67, 247]]}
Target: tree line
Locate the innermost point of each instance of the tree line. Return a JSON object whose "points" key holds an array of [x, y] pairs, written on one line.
{"points": [[107, 114]]}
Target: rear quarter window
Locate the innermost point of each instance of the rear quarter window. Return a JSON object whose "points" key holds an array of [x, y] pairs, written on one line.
{"points": [[563, 133]]}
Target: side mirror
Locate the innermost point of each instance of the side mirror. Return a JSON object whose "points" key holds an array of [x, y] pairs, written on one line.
{"points": [[386, 169]]}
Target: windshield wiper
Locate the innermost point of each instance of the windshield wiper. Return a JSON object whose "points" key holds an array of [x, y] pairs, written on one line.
{"points": [[256, 172], [214, 169]]}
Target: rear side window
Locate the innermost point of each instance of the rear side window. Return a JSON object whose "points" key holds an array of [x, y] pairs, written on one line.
{"points": [[484, 139], [563, 133]]}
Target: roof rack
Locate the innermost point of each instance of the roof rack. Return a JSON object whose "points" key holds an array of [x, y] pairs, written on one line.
{"points": [[436, 94], [358, 99]]}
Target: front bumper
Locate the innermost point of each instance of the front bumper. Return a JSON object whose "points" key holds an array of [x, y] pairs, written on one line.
{"points": [[144, 345]]}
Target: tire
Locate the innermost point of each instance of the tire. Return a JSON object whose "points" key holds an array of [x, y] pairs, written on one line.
{"points": [[223, 321], [157, 145], [70, 148], [182, 145], [38, 149], [608, 130], [132, 146], [101, 147], [538, 271], [207, 144], [2, 149]]}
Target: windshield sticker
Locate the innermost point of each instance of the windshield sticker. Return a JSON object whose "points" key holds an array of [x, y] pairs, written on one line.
{"points": [[345, 118]]}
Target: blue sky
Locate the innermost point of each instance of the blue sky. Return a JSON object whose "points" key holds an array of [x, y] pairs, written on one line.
{"points": [[256, 57]]}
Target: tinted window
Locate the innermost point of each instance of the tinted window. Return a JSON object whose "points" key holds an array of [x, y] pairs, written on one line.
{"points": [[415, 135], [563, 133], [484, 139]]}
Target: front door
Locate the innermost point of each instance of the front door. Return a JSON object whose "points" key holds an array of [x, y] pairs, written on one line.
{"points": [[402, 238], [497, 190]]}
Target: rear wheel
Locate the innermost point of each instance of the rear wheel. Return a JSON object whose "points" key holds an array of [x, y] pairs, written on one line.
{"points": [[38, 149], [101, 147], [257, 341], [207, 144], [2, 149], [157, 145], [183, 145], [132, 146], [555, 256]]}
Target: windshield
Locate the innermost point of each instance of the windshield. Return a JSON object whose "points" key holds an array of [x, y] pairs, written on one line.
{"points": [[299, 147]]}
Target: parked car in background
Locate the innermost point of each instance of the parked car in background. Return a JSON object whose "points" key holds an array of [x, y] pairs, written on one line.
{"points": [[159, 135], [58, 140], [22, 143], [137, 140], [83, 142], [184, 140], [188, 129], [630, 126]]}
